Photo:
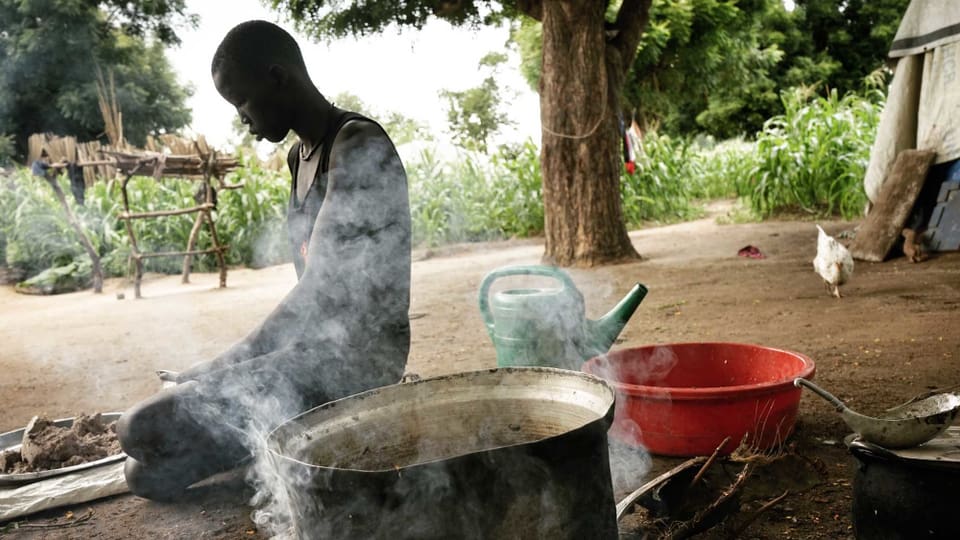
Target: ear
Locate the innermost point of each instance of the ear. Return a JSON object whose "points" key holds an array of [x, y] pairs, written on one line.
{"points": [[279, 75]]}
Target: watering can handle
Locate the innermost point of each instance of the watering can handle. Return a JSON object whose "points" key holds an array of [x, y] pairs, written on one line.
{"points": [[549, 271]]}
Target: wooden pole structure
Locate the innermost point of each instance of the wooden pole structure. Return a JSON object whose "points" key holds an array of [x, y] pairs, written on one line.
{"points": [[128, 221], [203, 211]]}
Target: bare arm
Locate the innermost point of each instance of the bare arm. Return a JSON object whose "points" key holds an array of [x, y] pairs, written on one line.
{"points": [[354, 293]]}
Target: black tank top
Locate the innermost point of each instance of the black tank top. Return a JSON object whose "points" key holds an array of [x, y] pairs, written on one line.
{"points": [[301, 215]]}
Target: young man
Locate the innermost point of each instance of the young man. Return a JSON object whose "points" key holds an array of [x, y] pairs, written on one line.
{"points": [[344, 327]]}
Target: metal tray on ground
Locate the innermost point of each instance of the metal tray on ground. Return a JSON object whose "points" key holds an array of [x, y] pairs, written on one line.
{"points": [[11, 441]]}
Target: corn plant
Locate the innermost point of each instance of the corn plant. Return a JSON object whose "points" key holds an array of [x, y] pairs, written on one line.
{"points": [[661, 187], [34, 236], [252, 219], [812, 158]]}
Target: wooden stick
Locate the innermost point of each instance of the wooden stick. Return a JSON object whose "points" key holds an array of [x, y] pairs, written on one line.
{"points": [[135, 251], [87, 245], [624, 504], [686, 528], [221, 261], [151, 255], [709, 462], [79, 520], [191, 242], [162, 213], [84, 164], [753, 517]]}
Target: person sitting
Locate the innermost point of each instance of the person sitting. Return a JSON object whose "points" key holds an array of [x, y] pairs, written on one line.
{"points": [[344, 328]]}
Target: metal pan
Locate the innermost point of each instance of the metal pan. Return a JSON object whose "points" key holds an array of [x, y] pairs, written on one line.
{"points": [[11, 441]]}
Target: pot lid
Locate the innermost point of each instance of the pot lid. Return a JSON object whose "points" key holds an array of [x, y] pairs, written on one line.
{"points": [[945, 448]]}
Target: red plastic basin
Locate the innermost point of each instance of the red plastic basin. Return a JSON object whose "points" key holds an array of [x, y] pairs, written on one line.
{"points": [[683, 399]]}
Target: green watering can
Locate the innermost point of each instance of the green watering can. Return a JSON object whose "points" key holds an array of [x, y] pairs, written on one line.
{"points": [[548, 327]]}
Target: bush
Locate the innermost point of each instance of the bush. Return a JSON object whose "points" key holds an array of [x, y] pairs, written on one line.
{"points": [[812, 158]]}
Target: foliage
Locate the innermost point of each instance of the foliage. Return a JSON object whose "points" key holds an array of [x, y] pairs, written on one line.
{"points": [[50, 49], [402, 129], [722, 167], [660, 189], [7, 149], [700, 64], [854, 34], [35, 235], [718, 66], [252, 219], [812, 158], [32, 232], [473, 114], [471, 199], [335, 19]]}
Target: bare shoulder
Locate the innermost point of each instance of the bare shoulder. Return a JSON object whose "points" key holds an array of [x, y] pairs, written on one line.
{"points": [[358, 132]]}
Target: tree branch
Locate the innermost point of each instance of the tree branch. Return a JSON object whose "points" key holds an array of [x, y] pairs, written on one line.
{"points": [[531, 8], [630, 24]]}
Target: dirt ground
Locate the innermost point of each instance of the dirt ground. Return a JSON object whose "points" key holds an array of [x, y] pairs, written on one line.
{"points": [[892, 336]]}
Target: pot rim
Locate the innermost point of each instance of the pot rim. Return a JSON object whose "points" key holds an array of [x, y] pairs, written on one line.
{"points": [[273, 438], [674, 393]]}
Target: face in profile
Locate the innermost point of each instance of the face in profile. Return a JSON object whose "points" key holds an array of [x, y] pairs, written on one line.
{"points": [[257, 100]]}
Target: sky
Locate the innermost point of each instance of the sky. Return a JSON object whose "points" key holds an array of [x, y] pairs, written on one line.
{"points": [[401, 70]]}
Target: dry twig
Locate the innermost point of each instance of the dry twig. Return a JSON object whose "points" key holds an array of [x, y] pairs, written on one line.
{"points": [[687, 528], [63, 525], [753, 517], [710, 460]]}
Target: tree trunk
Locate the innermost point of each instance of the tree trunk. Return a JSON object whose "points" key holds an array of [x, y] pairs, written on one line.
{"points": [[580, 156]]}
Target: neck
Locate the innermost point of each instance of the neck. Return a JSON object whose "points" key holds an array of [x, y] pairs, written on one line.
{"points": [[313, 117]]}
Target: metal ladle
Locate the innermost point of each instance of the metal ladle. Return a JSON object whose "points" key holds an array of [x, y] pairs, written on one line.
{"points": [[904, 426]]}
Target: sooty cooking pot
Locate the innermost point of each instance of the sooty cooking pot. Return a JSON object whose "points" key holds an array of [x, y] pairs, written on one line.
{"points": [[504, 453], [909, 493]]}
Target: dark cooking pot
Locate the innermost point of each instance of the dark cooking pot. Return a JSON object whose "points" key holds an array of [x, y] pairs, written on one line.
{"points": [[505, 453], [907, 494]]}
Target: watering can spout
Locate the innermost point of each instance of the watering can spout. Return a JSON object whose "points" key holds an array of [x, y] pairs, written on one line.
{"points": [[604, 331]]}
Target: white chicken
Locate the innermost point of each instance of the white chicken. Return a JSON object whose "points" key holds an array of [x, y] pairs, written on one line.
{"points": [[833, 262]]}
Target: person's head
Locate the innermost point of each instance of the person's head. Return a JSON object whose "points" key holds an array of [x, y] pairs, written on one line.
{"points": [[259, 69]]}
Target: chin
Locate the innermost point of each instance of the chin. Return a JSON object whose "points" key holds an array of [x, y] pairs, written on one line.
{"points": [[276, 137]]}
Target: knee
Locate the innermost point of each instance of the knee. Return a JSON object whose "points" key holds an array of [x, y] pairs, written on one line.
{"points": [[128, 431], [148, 426], [150, 483]]}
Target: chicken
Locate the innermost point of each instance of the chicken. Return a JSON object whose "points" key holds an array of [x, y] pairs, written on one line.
{"points": [[833, 262]]}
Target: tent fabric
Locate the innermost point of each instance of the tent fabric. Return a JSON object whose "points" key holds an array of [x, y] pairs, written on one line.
{"points": [[897, 130], [925, 25], [923, 102]]}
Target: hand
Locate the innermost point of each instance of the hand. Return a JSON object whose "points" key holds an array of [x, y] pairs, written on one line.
{"points": [[169, 378]]}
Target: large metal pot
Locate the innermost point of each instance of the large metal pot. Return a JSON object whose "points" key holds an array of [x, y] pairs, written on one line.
{"points": [[906, 494], [504, 453]]}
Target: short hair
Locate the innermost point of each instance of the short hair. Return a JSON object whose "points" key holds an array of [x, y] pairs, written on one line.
{"points": [[256, 45]]}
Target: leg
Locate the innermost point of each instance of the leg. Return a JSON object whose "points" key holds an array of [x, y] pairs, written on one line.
{"points": [[171, 444], [213, 423]]}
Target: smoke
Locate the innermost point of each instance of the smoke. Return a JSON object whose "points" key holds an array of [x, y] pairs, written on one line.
{"points": [[629, 460]]}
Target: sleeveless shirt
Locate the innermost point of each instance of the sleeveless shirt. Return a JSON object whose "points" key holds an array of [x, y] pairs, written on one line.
{"points": [[301, 215]]}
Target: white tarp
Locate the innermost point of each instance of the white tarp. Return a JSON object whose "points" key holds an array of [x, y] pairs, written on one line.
{"points": [[925, 25], [74, 488], [923, 101]]}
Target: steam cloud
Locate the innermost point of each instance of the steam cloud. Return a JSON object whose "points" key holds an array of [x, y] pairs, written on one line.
{"points": [[629, 464]]}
